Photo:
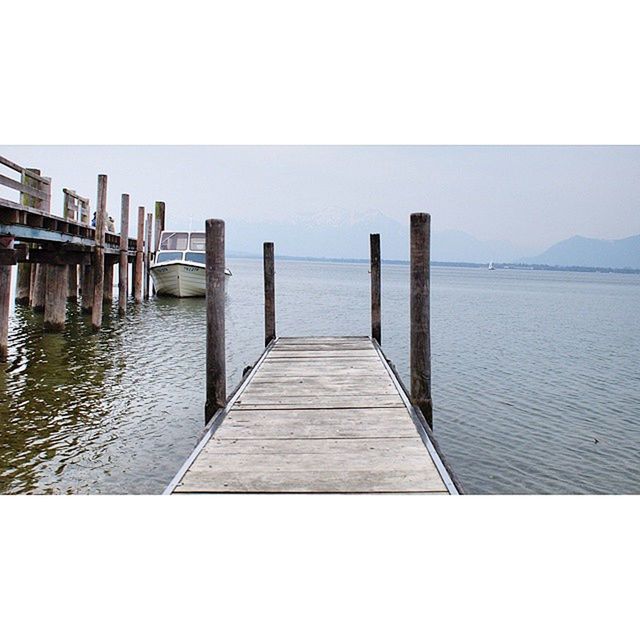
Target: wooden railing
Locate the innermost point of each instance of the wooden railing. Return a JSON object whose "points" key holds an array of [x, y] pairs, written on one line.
{"points": [[34, 189]]}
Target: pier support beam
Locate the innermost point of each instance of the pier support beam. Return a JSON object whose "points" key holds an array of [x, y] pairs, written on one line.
{"points": [[376, 321], [216, 393], [137, 283], [269, 293], [87, 289], [420, 361], [6, 242], [123, 269], [23, 283], [107, 295], [98, 256], [55, 305], [72, 281], [38, 286], [147, 255]]}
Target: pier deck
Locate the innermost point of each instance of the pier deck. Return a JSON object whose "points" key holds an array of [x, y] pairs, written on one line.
{"points": [[316, 415]]}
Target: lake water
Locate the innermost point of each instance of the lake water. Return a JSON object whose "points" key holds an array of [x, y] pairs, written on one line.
{"points": [[536, 377]]}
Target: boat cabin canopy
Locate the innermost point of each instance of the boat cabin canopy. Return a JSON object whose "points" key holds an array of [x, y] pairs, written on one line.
{"points": [[182, 245]]}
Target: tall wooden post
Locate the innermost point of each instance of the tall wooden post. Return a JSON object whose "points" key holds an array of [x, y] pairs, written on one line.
{"points": [[98, 255], [55, 298], [69, 208], [6, 242], [137, 283], [123, 268], [269, 293], [159, 224], [376, 322], [420, 361], [23, 283], [216, 394], [147, 254]]}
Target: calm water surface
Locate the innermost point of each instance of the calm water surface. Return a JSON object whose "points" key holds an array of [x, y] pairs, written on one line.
{"points": [[536, 377]]}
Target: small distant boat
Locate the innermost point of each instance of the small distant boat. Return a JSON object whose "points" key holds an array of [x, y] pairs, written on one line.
{"points": [[491, 267], [179, 265]]}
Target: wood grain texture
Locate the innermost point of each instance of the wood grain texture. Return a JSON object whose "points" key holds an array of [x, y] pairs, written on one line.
{"points": [[316, 417], [420, 350], [123, 268], [269, 293]]}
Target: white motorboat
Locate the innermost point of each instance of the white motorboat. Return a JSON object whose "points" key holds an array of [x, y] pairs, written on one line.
{"points": [[179, 265]]}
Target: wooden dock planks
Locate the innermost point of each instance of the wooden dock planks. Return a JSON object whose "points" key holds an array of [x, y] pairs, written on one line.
{"points": [[316, 415]]}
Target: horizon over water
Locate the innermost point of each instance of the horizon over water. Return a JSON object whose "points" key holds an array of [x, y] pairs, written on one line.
{"points": [[535, 377]]}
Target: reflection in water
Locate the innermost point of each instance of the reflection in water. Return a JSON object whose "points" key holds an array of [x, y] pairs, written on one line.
{"points": [[529, 370]]}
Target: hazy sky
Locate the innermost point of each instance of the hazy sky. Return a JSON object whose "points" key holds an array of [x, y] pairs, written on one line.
{"points": [[529, 196]]}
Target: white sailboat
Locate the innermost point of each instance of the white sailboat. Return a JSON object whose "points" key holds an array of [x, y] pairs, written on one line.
{"points": [[179, 265], [491, 267]]}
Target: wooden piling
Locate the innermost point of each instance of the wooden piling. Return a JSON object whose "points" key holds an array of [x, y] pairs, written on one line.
{"points": [[159, 224], [139, 257], [87, 289], [147, 255], [216, 377], [123, 268], [98, 256], [69, 208], [5, 301], [55, 304], [420, 359], [269, 293], [24, 278], [107, 295], [38, 287], [23, 283], [376, 322]]}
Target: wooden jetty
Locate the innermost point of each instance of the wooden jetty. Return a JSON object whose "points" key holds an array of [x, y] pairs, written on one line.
{"points": [[319, 414], [60, 256]]}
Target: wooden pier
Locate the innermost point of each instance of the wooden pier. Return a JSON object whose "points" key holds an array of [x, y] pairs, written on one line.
{"points": [[59, 257], [319, 414]]}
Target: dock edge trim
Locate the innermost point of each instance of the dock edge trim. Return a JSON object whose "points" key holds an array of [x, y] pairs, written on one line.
{"points": [[452, 485], [216, 421]]}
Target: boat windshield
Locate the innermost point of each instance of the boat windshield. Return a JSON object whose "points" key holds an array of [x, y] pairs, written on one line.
{"points": [[190, 256], [171, 240], [166, 256], [198, 242]]}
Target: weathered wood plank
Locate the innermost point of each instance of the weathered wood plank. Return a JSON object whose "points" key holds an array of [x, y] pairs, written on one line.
{"points": [[318, 415]]}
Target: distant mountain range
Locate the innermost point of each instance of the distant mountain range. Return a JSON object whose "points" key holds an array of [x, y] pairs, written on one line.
{"points": [[590, 252], [338, 235], [333, 237]]}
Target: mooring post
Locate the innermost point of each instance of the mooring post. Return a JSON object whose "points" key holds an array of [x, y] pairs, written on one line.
{"points": [[55, 297], [420, 315], [6, 243], [147, 254], [98, 255], [159, 224], [268, 257], [216, 395], [376, 321], [123, 268], [137, 283]]}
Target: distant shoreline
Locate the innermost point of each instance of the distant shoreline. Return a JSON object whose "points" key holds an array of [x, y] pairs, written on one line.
{"points": [[513, 266]]}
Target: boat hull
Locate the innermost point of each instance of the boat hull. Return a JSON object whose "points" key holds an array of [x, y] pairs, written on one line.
{"points": [[179, 280]]}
